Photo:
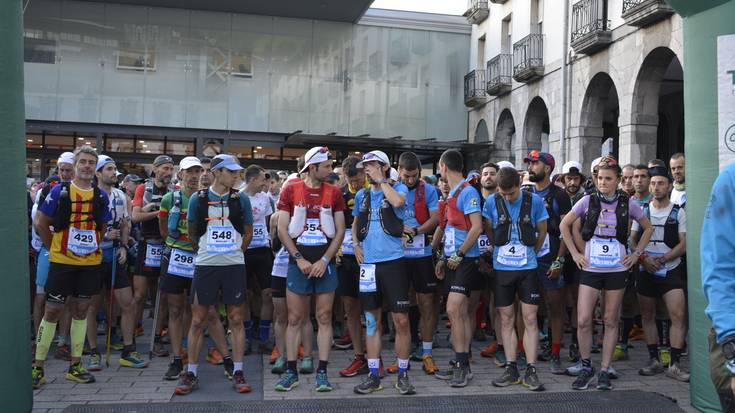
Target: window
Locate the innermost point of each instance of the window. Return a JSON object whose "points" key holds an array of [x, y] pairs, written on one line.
{"points": [[34, 141], [59, 142], [137, 60], [39, 51], [85, 141], [180, 148], [146, 145], [506, 35], [119, 145], [240, 149]]}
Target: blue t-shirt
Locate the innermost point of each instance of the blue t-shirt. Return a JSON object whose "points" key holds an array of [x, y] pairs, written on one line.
{"points": [[538, 214], [469, 203], [377, 245], [432, 203]]}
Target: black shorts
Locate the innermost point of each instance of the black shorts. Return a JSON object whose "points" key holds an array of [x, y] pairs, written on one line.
{"points": [[649, 285], [570, 271], [121, 276], [462, 280], [140, 267], [421, 272], [604, 280], [225, 284], [278, 286], [524, 283], [172, 284], [392, 283], [348, 277], [259, 265], [82, 281]]}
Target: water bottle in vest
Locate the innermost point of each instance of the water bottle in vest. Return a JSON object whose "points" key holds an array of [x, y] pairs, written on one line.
{"points": [[298, 220], [326, 220], [173, 218]]}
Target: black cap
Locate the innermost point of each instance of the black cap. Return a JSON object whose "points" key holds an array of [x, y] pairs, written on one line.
{"points": [[162, 160], [660, 171], [132, 178]]}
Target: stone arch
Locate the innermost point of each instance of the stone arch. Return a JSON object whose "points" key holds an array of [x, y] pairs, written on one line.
{"points": [[481, 133], [536, 126], [598, 119], [505, 133], [656, 127]]}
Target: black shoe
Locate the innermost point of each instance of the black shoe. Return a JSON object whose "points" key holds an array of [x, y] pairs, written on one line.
{"points": [[370, 385], [531, 381], [510, 376], [584, 378], [174, 370], [229, 367], [459, 375], [603, 381], [403, 384]]}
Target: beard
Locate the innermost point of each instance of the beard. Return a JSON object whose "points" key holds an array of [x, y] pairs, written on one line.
{"points": [[572, 189], [490, 187], [537, 177]]}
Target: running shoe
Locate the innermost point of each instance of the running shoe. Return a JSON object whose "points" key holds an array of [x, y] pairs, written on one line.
{"points": [[403, 384], [586, 374], [38, 377], [63, 353], [612, 373], [445, 374], [279, 366], [159, 350], [274, 355], [95, 362], [229, 367], [369, 385], [343, 343], [174, 370], [239, 383], [531, 380], [603, 381], [322, 382], [500, 359], [574, 353], [459, 376], [187, 384], [675, 372], [214, 356], [574, 369], [139, 331], [358, 365], [417, 353], [556, 367], [621, 353], [665, 356], [307, 366], [393, 368], [133, 360], [653, 368], [490, 350], [509, 376], [636, 334], [79, 374], [288, 381], [428, 364]]}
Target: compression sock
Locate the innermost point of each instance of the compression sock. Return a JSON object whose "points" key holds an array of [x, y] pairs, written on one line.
{"points": [[265, 326], [653, 351], [45, 336], [77, 332], [249, 330]]}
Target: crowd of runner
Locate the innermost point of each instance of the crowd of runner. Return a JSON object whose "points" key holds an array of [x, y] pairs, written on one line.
{"points": [[239, 260]]}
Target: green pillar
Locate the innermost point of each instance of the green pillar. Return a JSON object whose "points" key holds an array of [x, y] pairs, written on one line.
{"points": [[704, 20], [15, 380]]}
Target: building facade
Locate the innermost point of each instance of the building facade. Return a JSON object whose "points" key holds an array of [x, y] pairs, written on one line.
{"points": [[136, 81], [580, 79]]}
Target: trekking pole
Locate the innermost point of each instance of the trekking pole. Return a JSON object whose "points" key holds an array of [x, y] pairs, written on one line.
{"points": [[111, 300], [155, 320]]}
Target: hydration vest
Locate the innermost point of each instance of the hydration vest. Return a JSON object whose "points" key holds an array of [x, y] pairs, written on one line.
{"points": [[593, 215], [454, 216], [233, 206], [554, 194], [174, 215], [420, 210], [149, 228], [348, 197], [671, 226], [298, 219], [391, 224], [62, 219], [526, 228]]}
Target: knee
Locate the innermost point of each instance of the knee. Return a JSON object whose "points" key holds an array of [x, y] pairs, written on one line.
{"points": [[530, 321], [584, 322], [53, 313], [174, 312], [677, 316], [400, 321], [611, 322], [295, 320], [236, 320], [453, 309], [324, 317], [197, 322]]}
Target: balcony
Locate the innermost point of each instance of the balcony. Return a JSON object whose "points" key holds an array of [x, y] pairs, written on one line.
{"points": [[590, 26], [499, 74], [499, 1], [474, 88], [477, 11], [642, 13], [528, 58]]}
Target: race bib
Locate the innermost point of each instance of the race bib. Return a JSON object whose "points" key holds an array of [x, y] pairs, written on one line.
{"points": [[153, 253], [181, 263], [221, 239], [414, 247], [312, 235], [260, 236], [367, 278], [449, 241], [604, 253], [661, 271], [483, 243], [280, 264], [512, 254], [347, 247], [545, 248], [81, 241]]}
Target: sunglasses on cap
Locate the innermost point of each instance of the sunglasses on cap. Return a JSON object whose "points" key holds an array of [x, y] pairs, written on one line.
{"points": [[534, 155], [608, 161], [371, 157], [323, 149]]}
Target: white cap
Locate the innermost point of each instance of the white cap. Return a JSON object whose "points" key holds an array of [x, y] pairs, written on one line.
{"points": [[505, 164], [188, 162], [569, 165], [594, 164], [292, 177], [103, 160], [66, 157], [315, 155], [379, 156], [394, 175]]}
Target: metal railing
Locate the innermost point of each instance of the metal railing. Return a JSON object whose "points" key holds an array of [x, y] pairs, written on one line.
{"points": [[499, 71], [474, 5], [528, 53], [632, 4], [589, 16], [474, 85]]}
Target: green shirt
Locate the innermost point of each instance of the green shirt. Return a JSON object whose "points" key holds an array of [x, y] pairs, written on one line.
{"points": [[166, 204]]}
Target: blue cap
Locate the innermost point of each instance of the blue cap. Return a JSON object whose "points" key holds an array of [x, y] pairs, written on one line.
{"points": [[226, 161]]}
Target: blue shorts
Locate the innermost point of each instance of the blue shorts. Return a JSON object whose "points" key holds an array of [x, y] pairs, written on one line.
{"points": [[299, 284], [42, 269], [544, 263]]}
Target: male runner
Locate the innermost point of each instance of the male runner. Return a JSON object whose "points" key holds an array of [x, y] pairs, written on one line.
{"points": [[573, 180], [678, 193]]}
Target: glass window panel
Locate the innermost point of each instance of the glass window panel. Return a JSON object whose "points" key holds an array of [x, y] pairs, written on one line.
{"points": [[33, 169], [329, 110], [370, 58], [368, 105], [59, 142], [292, 154], [119, 144], [148, 145], [34, 141], [85, 141], [180, 147], [42, 25], [240, 149], [267, 153], [449, 57], [444, 113], [292, 46], [289, 103]]}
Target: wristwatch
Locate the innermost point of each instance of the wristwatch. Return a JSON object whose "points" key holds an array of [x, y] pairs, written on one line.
{"points": [[297, 256], [728, 348], [459, 253]]}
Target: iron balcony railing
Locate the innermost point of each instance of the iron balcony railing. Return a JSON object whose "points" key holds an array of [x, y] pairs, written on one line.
{"points": [[528, 53], [499, 73], [475, 5], [474, 86], [477, 11], [589, 16]]}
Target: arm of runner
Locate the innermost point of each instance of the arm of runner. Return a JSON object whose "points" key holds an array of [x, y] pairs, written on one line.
{"points": [[541, 229], [395, 199], [359, 253], [568, 237], [43, 228], [247, 236], [473, 233], [283, 219], [318, 268], [631, 259]]}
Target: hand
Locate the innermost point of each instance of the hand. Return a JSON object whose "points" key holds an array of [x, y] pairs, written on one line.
{"points": [[580, 260], [485, 266], [374, 172], [113, 234], [122, 255], [439, 270], [650, 264], [149, 207], [410, 230], [304, 266], [554, 270], [317, 269], [630, 260], [359, 255], [453, 264]]}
